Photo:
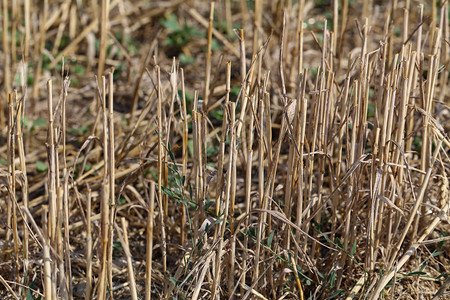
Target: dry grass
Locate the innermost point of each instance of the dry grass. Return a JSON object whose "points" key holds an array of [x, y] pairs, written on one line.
{"points": [[237, 150]]}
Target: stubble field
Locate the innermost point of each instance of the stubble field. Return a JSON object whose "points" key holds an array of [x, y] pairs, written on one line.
{"points": [[227, 150]]}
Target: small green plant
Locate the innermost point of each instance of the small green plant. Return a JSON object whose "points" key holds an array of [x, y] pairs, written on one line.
{"points": [[79, 130], [179, 35], [30, 295], [41, 166], [117, 248], [186, 59], [40, 122]]}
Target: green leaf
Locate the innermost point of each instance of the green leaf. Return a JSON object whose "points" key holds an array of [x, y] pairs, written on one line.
{"points": [[417, 142], [30, 79], [191, 193], [178, 181], [416, 274], [79, 69], [81, 130], [353, 249], [437, 253], [122, 200], [169, 193], [191, 147], [218, 221], [335, 294], [173, 280], [217, 114], [338, 242], [40, 122], [29, 292], [252, 231], [215, 45], [235, 90], [174, 170], [170, 154], [41, 166], [317, 226], [170, 23], [332, 278], [270, 238], [117, 247], [371, 111], [210, 151], [25, 122], [185, 59], [250, 5], [29, 295]]}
